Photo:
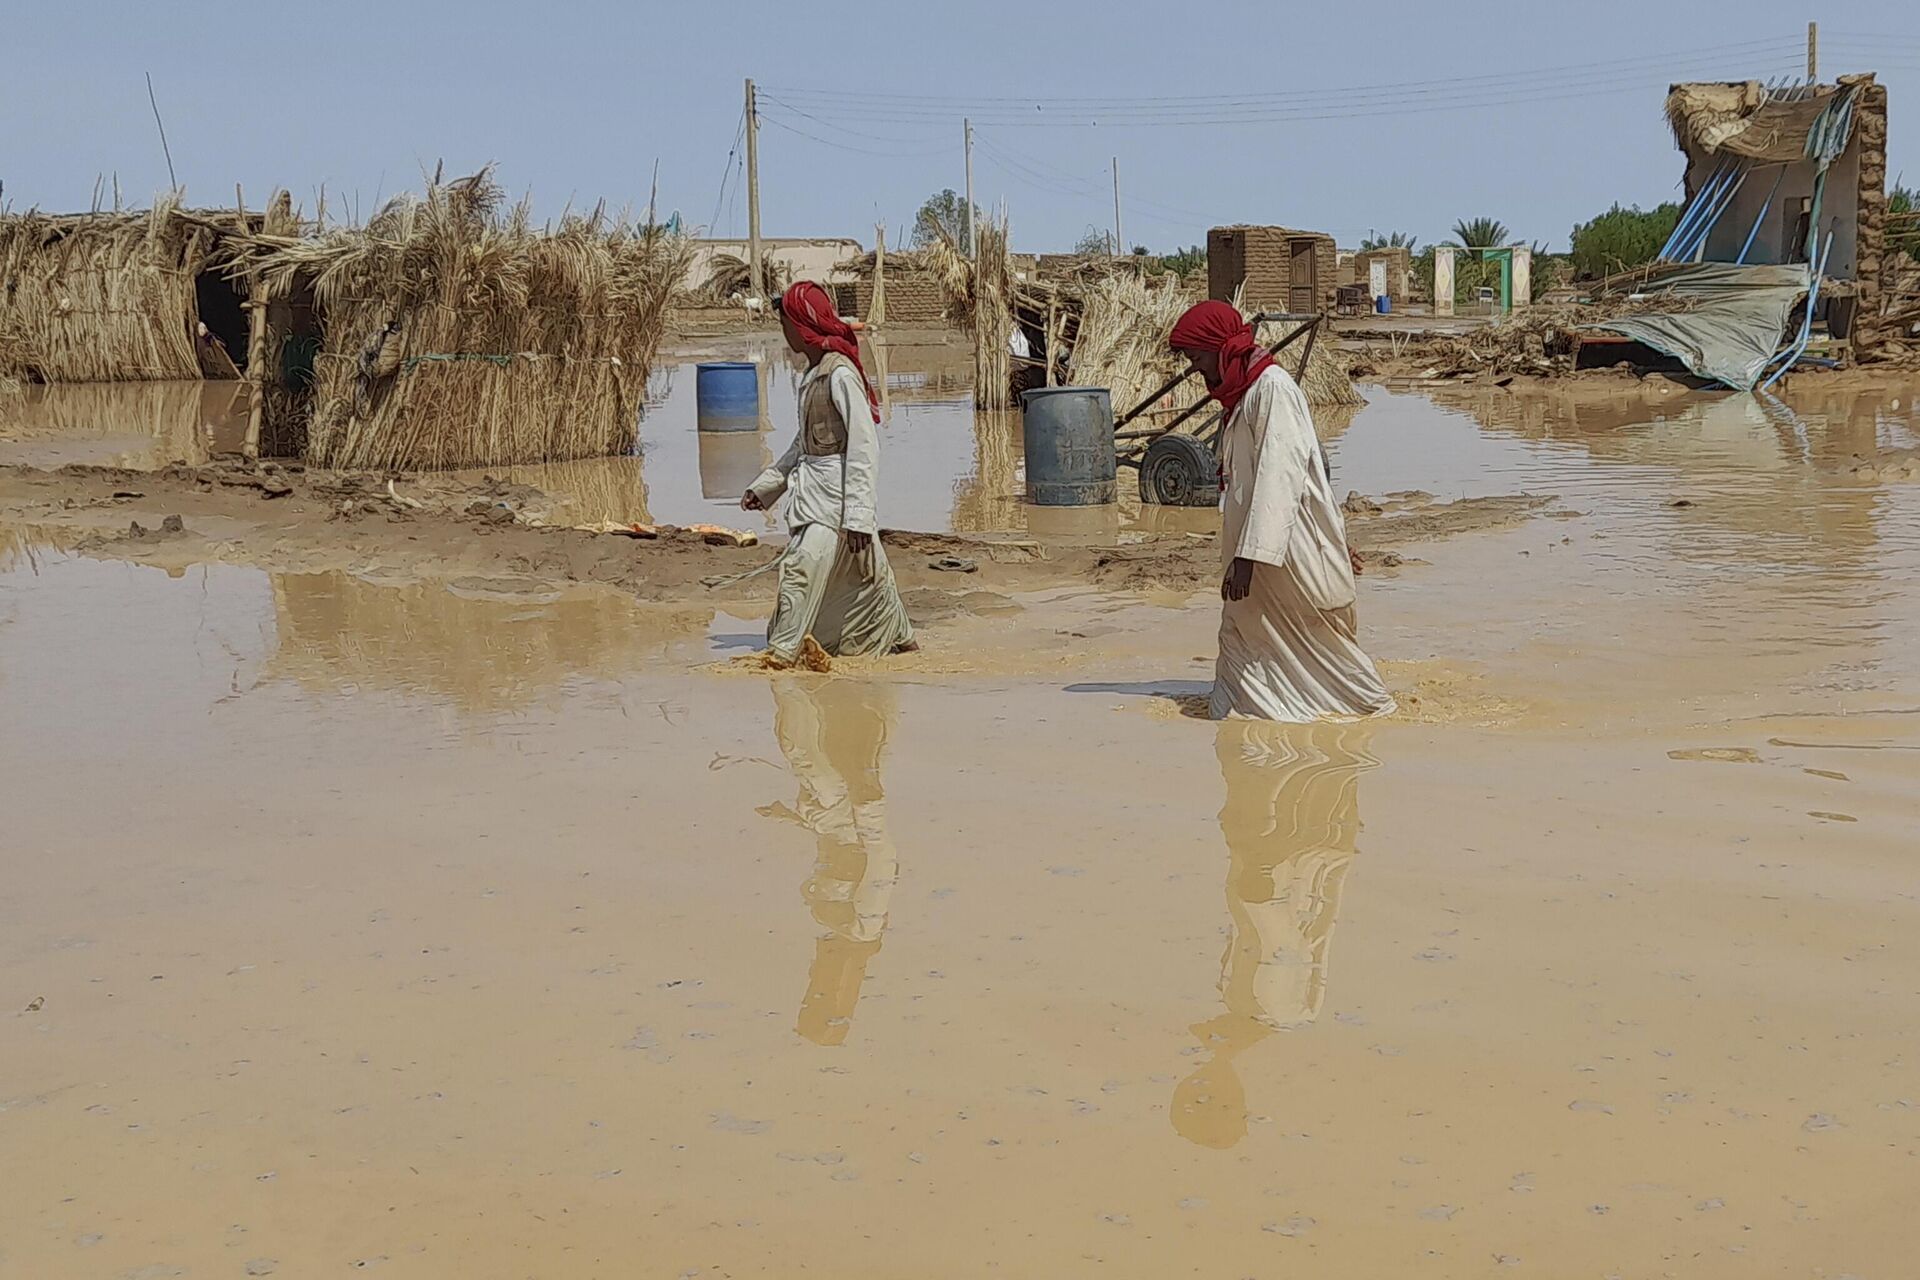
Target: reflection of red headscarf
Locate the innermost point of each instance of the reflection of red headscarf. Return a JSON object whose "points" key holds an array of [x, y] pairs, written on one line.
{"points": [[1216, 326], [821, 328]]}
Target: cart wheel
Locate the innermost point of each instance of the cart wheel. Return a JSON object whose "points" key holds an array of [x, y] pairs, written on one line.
{"points": [[1179, 471]]}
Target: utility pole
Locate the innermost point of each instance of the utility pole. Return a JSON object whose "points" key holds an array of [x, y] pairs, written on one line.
{"points": [[756, 271], [973, 245], [1813, 53], [1119, 240]]}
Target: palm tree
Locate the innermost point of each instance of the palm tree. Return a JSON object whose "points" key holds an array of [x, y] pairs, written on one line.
{"points": [[1392, 240], [1480, 233]]}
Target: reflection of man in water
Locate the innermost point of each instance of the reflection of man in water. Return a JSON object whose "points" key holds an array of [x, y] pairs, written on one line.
{"points": [[1290, 818], [832, 733]]}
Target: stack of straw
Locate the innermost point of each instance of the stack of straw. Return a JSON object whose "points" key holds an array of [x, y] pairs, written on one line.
{"points": [[102, 297], [512, 344]]}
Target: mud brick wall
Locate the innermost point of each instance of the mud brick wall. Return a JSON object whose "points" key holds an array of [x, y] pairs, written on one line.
{"points": [[1399, 272], [1870, 135], [913, 298], [1262, 258]]}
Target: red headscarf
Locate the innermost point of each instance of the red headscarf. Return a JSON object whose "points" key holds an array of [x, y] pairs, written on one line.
{"points": [[821, 328], [1216, 326]]}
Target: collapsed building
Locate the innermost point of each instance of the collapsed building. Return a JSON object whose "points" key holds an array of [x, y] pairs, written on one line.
{"points": [[1780, 245]]}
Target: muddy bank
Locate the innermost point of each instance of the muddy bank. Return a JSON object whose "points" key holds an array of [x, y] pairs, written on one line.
{"points": [[286, 518]]}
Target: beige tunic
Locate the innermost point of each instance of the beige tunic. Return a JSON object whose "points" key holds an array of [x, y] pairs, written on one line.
{"points": [[848, 602], [1289, 651]]}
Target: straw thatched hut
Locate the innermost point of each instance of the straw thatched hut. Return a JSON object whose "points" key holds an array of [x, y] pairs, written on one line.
{"points": [[120, 295], [449, 331]]}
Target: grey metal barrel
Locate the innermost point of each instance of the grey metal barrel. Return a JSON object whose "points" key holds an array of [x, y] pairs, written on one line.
{"points": [[1069, 443]]}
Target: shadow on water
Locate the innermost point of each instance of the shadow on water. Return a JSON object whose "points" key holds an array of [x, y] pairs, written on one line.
{"points": [[1189, 696], [1290, 820]]}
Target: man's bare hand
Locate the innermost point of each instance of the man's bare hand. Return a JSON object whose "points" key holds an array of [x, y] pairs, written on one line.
{"points": [[1359, 565], [859, 543], [750, 501], [1239, 580]]}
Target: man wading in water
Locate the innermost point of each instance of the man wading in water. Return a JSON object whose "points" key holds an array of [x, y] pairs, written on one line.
{"points": [[1288, 641], [835, 583]]}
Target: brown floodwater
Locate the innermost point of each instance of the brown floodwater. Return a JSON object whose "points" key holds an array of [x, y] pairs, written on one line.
{"points": [[142, 425], [481, 929]]}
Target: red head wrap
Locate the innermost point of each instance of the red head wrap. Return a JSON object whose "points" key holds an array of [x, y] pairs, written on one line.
{"points": [[1216, 326], [821, 328]]}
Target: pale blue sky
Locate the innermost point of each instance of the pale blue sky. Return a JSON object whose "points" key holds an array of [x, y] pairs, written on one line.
{"points": [[1542, 115]]}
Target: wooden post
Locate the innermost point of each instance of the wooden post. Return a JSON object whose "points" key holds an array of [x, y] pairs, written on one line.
{"points": [[1119, 240], [256, 307], [966, 214], [256, 365], [1813, 53], [1052, 351], [756, 270], [877, 316]]}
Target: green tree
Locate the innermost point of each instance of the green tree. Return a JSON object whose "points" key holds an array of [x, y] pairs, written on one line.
{"points": [[1480, 233], [1622, 238], [1392, 240], [1903, 233], [944, 215]]}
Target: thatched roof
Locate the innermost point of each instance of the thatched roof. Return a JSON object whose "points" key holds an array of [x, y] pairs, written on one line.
{"points": [[109, 295], [457, 247], [1746, 118], [459, 333]]}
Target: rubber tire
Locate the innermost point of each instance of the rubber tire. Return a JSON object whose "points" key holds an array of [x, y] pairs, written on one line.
{"points": [[1179, 471]]}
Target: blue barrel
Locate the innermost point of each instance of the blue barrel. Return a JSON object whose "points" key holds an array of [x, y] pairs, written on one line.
{"points": [[727, 395], [1383, 304], [1069, 440]]}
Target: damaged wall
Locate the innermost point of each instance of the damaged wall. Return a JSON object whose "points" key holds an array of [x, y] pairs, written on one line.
{"points": [[1775, 241]]}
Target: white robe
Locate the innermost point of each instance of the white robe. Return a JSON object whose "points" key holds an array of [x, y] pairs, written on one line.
{"points": [[848, 603], [1289, 650]]}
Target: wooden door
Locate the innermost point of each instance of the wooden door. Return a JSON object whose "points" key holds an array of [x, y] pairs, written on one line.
{"points": [[1303, 290]]}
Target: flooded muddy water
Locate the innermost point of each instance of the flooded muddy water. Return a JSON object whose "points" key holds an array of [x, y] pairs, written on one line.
{"points": [[142, 425], [478, 928]]}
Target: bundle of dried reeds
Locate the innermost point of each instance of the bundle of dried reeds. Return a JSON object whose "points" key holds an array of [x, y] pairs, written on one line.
{"points": [[102, 297], [729, 277], [1122, 344], [515, 344]]}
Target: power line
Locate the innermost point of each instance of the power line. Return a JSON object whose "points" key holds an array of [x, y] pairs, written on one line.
{"points": [[727, 172], [765, 97], [778, 123], [1035, 166], [1652, 62], [1380, 100], [1288, 115]]}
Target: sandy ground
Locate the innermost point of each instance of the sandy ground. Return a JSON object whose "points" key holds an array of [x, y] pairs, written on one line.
{"points": [[414, 891]]}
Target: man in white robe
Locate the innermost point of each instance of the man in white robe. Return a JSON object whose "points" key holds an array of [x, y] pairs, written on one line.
{"points": [[1289, 647], [835, 583]]}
